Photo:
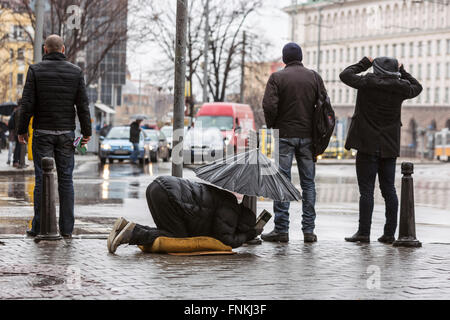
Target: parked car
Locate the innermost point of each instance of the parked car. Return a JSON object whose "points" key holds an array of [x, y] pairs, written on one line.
{"points": [[235, 121], [168, 132], [117, 146], [158, 145], [203, 145]]}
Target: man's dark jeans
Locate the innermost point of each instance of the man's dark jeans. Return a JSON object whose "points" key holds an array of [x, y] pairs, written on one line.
{"points": [[301, 149], [367, 167], [59, 147]]}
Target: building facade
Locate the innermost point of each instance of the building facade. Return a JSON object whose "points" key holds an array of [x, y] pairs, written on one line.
{"points": [[335, 34], [16, 52]]}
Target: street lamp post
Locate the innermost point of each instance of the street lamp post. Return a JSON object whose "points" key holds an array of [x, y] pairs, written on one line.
{"points": [[39, 33]]}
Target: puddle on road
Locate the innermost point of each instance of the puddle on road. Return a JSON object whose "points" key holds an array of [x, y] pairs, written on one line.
{"points": [[113, 184]]}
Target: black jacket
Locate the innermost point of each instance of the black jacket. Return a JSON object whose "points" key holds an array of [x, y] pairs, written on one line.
{"points": [[376, 122], [135, 132], [289, 100], [209, 211], [52, 89]]}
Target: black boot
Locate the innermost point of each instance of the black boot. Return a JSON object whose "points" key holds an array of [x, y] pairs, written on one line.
{"points": [[358, 238], [275, 236], [309, 237], [386, 239]]}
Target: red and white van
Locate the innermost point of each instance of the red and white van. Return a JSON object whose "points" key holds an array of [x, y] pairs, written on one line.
{"points": [[234, 121]]}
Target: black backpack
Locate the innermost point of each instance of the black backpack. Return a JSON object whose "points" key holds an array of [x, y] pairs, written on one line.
{"points": [[324, 122]]}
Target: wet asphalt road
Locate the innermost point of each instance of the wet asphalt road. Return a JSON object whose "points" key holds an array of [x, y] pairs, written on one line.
{"points": [[104, 193]]}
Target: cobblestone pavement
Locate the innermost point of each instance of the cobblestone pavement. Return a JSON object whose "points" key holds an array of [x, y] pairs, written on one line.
{"points": [[82, 269]]}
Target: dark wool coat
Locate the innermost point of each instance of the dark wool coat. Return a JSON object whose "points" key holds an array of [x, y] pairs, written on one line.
{"points": [[289, 100], [52, 90], [376, 123]]}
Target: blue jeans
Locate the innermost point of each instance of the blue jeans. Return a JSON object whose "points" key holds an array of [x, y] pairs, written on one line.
{"points": [[59, 147], [135, 153], [301, 149], [367, 168]]}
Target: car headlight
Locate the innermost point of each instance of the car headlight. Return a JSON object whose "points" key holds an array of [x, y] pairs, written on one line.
{"points": [[105, 147]]}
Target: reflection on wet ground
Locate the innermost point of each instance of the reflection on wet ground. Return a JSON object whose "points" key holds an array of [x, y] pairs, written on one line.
{"points": [[115, 183]]}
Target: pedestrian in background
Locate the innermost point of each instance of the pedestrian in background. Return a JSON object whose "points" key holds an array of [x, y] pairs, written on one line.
{"points": [[14, 148], [54, 87], [375, 133], [289, 101], [135, 134]]}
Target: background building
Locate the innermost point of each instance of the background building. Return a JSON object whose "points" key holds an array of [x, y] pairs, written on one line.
{"points": [[16, 52], [416, 32]]}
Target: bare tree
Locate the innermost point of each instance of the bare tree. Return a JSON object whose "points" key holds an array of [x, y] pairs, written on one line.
{"points": [[98, 23], [227, 21]]}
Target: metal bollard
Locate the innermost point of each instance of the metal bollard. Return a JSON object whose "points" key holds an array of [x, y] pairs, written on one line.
{"points": [[49, 230], [407, 233]]}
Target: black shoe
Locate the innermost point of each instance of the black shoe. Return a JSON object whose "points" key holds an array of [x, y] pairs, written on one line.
{"points": [[358, 238], [31, 233], [66, 236], [386, 239], [254, 241], [309, 237], [275, 236]]}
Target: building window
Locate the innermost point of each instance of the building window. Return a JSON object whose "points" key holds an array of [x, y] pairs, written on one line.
{"points": [[429, 48], [419, 71], [355, 54], [402, 50], [347, 95], [429, 71], [448, 46], [419, 48], [20, 54], [447, 95], [437, 97], [438, 47], [378, 50], [11, 54], [428, 96], [341, 55], [334, 55], [438, 70], [411, 69], [363, 51], [386, 50], [447, 68], [20, 79], [411, 49], [348, 54], [394, 50]]}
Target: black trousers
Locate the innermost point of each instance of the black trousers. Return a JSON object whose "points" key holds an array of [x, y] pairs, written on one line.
{"points": [[367, 168], [167, 217]]}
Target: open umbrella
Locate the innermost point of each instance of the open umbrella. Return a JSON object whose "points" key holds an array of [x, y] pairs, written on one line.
{"points": [[252, 174], [6, 109], [139, 116]]}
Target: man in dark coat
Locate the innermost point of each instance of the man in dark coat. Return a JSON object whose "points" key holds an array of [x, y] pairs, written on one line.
{"points": [[375, 133], [181, 208], [288, 104], [54, 93], [135, 133]]}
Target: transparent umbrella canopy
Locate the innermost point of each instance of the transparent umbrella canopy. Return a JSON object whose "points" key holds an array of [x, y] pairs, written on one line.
{"points": [[252, 174]]}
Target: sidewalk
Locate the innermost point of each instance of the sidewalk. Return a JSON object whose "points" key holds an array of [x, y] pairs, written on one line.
{"points": [[82, 268], [10, 170]]}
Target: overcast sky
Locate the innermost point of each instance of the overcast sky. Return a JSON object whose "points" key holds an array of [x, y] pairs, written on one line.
{"points": [[270, 22]]}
